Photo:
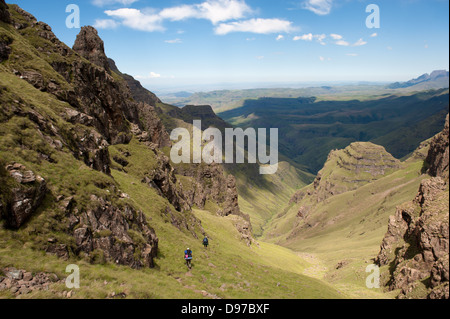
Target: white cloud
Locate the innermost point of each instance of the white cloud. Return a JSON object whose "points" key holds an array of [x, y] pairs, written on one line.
{"points": [[260, 57], [213, 10], [320, 7], [138, 20], [359, 43], [389, 48], [373, 35], [261, 26], [152, 75], [305, 37], [352, 54], [343, 43], [223, 10], [179, 13], [106, 24], [280, 37], [321, 58], [310, 37], [174, 41], [102, 3], [320, 38], [336, 36], [218, 12]]}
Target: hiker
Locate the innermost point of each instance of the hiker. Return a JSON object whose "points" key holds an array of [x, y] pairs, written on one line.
{"points": [[188, 257], [205, 242]]}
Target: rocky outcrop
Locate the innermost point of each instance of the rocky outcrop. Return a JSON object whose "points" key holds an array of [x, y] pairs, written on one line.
{"points": [[89, 45], [244, 227], [346, 170], [4, 13], [119, 233], [438, 155], [5, 49], [416, 245], [87, 84], [23, 199], [153, 129], [211, 183], [136, 103], [90, 107], [163, 179], [231, 204]]}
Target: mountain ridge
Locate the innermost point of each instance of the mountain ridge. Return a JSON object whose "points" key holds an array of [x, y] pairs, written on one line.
{"points": [[435, 80]]}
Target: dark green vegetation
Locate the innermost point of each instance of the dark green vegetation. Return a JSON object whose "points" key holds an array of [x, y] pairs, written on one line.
{"points": [[309, 130]]}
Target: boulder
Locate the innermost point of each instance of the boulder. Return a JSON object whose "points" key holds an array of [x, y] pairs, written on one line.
{"points": [[26, 197]]}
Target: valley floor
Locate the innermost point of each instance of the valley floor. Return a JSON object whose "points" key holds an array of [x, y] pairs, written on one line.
{"points": [[224, 270]]}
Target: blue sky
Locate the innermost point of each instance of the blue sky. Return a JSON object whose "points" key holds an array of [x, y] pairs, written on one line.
{"points": [[178, 43]]}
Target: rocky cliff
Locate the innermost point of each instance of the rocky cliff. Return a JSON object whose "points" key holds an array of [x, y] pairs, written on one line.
{"points": [[358, 164], [438, 157], [62, 110], [416, 245], [346, 170]]}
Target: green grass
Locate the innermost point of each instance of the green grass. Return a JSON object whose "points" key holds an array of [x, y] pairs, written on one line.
{"points": [[263, 196], [348, 227]]}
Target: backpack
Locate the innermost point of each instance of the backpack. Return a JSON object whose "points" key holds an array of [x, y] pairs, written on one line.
{"points": [[205, 241]]}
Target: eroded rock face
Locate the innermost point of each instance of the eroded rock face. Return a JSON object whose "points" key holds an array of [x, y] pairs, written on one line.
{"points": [[151, 123], [163, 179], [122, 234], [438, 156], [89, 45], [210, 183], [345, 170], [24, 199], [416, 245]]}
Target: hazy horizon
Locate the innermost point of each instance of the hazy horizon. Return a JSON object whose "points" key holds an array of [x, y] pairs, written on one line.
{"points": [[173, 44]]}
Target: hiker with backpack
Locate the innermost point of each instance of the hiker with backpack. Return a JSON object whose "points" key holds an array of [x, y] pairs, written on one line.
{"points": [[188, 257], [205, 242]]}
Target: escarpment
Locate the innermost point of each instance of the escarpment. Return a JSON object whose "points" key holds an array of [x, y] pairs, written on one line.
{"points": [[416, 245], [345, 170], [62, 111]]}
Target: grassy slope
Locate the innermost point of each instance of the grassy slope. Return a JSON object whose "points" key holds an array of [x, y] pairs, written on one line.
{"points": [[228, 269], [267, 271], [263, 196], [355, 223], [259, 267]]}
